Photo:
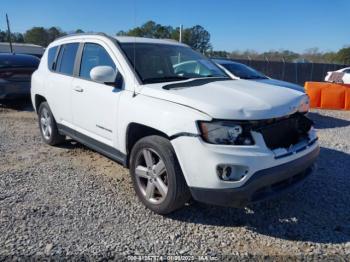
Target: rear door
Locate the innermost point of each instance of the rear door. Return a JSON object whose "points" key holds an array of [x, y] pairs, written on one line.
{"points": [[60, 79], [94, 104]]}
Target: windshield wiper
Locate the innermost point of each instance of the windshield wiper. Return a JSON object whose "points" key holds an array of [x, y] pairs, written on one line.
{"points": [[260, 77], [253, 77], [219, 76], [164, 79], [195, 82]]}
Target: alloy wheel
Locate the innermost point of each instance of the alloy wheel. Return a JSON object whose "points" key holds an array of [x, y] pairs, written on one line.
{"points": [[151, 176], [45, 122]]}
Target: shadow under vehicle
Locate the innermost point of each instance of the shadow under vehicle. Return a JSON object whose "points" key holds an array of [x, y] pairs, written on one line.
{"points": [[318, 211]]}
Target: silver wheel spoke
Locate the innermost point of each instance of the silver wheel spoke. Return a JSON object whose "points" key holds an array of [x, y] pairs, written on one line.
{"points": [[46, 114], [148, 158], [150, 190], [49, 130], [43, 121], [159, 168], [162, 188], [46, 132], [48, 121], [142, 171]]}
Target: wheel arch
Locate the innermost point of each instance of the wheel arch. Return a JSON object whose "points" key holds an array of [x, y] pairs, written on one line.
{"points": [[135, 132], [38, 100]]}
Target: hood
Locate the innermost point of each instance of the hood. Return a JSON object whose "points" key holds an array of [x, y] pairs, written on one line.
{"points": [[229, 99], [281, 83]]}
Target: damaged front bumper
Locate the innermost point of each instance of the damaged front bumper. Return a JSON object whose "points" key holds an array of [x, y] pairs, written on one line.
{"points": [[261, 185]]}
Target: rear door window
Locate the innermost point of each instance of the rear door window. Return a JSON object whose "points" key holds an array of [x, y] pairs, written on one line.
{"points": [[66, 58]]}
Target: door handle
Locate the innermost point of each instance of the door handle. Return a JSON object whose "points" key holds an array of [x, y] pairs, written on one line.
{"points": [[78, 89]]}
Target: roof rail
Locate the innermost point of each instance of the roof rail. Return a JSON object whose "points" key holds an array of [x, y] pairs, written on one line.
{"points": [[81, 34], [170, 40]]}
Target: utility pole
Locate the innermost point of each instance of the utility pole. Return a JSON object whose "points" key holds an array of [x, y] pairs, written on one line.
{"points": [[9, 33], [180, 38]]}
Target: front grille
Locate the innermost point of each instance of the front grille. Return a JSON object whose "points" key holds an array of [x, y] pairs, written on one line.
{"points": [[282, 133]]}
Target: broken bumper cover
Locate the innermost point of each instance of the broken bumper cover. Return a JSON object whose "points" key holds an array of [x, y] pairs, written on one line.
{"points": [[263, 184]]}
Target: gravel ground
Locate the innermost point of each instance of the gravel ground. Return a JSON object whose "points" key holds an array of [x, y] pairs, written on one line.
{"points": [[71, 202]]}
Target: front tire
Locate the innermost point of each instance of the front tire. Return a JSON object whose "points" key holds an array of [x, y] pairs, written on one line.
{"points": [[48, 126], [157, 176]]}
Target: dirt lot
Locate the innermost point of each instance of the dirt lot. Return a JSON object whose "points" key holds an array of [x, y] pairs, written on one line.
{"points": [[70, 201]]}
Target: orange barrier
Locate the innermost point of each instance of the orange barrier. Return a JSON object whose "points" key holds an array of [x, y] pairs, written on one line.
{"points": [[328, 95], [313, 89], [347, 99], [333, 97]]}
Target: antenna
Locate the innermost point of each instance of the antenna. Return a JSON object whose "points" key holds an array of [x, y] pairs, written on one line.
{"points": [[9, 33]]}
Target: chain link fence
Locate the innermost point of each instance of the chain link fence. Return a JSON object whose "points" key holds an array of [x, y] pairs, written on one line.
{"points": [[297, 73]]}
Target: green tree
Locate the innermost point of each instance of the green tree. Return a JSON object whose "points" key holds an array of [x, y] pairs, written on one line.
{"points": [[122, 33], [37, 35], [15, 37], [343, 55], [18, 37], [79, 31], [330, 57], [54, 33], [219, 54], [136, 32], [198, 38], [175, 34], [274, 55], [149, 29], [3, 36]]}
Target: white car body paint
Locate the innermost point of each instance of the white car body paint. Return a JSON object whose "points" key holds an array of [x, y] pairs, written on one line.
{"points": [[238, 99], [172, 112]]}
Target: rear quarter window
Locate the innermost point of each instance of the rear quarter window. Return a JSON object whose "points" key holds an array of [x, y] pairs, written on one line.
{"points": [[51, 57]]}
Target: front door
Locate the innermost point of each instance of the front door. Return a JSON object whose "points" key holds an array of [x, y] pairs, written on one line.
{"points": [[94, 105]]}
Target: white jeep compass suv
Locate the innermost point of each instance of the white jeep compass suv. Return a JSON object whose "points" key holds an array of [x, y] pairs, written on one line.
{"points": [[176, 120]]}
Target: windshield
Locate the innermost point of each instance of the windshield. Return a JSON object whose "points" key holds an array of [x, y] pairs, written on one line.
{"points": [[156, 63], [244, 72]]}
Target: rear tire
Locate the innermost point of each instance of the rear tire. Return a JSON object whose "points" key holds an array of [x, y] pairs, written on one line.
{"points": [[48, 126], [156, 175]]}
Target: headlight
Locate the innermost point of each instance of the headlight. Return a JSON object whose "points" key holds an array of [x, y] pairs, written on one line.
{"points": [[304, 105], [225, 133]]}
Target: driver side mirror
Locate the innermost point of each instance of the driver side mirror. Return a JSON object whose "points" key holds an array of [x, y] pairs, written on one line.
{"points": [[103, 74]]}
